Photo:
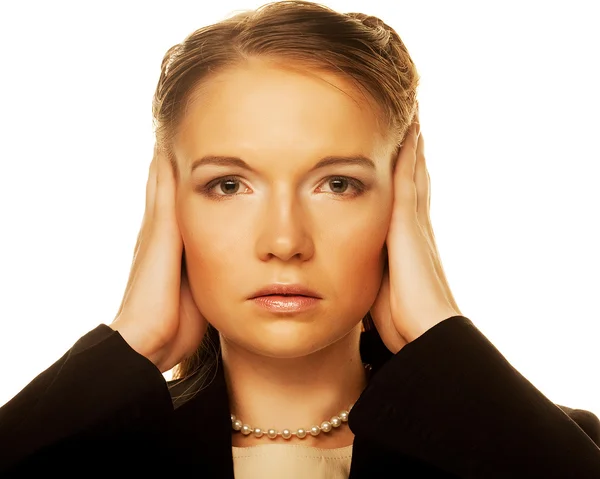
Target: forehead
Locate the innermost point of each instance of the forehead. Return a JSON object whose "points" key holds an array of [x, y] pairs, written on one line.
{"points": [[265, 108]]}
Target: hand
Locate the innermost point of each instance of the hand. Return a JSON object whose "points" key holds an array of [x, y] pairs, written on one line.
{"points": [[158, 316], [414, 294]]}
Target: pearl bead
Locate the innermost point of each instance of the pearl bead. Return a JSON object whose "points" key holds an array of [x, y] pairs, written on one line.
{"points": [[301, 433], [325, 426]]}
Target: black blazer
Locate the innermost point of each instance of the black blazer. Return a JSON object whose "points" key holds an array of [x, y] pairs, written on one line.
{"points": [[448, 405]]}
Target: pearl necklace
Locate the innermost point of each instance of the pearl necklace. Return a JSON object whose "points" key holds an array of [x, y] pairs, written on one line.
{"points": [[301, 433]]}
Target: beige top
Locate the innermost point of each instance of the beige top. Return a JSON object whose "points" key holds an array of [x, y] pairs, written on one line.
{"points": [[269, 461]]}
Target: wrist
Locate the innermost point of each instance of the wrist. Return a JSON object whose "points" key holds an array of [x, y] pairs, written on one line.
{"points": [[416, 330], [139, 342]]}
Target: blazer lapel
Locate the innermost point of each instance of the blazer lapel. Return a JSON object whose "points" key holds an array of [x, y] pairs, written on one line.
{"points": [[370, 460]]}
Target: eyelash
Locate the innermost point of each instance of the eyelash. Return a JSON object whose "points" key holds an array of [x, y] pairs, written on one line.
{"points": [[207, 189]]}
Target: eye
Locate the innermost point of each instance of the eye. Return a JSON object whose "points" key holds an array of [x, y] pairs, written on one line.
{"points": [[339, 186], [223, 187], [229, 186]]}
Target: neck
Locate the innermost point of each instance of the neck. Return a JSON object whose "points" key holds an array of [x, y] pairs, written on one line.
{"points": [[294, 393]]}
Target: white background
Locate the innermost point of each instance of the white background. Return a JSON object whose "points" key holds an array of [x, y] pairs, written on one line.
{"points": [[509, 111]]}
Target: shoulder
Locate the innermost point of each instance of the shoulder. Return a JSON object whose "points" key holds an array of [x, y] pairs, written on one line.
{"points": [[586, 420]]}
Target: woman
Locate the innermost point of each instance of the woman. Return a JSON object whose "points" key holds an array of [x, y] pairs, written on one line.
{"points": [[287, 267]]}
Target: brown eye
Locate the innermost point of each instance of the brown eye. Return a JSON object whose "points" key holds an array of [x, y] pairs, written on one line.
{"points": [[338, 185], [343, 187], [229, 186], [225, 187]]}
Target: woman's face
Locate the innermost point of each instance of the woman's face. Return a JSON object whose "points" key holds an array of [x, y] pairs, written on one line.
{"points": [[291, 185]]}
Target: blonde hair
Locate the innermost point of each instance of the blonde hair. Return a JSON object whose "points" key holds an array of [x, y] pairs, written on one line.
{"points": [[355, 46]]}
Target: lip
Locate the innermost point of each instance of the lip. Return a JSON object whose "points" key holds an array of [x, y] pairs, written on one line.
{"points": [[295, 290], [285, 304], [285, 298]]}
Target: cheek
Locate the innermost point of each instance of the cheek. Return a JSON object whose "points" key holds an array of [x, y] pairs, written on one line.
{"points": [[354, 246], [216, 254]]}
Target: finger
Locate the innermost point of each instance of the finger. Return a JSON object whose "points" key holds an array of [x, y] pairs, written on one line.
{"points": [[405, 194], [151, 183], [422, 183], [149, 204], [164, 204], [423, 186], [417, 121]]}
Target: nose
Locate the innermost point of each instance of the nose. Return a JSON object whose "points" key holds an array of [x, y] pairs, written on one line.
{"points": [[285, 229]]}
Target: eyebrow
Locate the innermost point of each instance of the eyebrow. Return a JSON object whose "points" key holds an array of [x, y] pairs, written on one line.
{"points": [[232, 161]]}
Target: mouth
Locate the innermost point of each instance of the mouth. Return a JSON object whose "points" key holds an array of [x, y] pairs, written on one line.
{"points": [[285, 291], [285, 303], [285, 298]]}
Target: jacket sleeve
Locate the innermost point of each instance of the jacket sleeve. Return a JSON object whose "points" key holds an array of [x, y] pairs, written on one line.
{"points": [[452, 400], [100, 390]]}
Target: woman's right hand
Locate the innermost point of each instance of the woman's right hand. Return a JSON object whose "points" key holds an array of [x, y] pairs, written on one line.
{"points": [[158, 316]]}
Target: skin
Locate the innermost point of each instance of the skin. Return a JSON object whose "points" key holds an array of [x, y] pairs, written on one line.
{"points": [[160, 319], [285, 223]]}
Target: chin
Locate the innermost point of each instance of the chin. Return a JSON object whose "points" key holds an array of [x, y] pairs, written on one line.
{"points": [[289, 339]]}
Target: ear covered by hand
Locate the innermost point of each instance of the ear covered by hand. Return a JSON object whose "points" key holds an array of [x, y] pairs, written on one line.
{"points": [[158, 316], [414, 294]]}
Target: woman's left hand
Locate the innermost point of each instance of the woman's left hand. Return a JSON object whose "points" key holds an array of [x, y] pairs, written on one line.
{"points": [[414, 294]]}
